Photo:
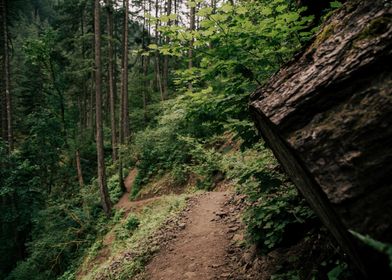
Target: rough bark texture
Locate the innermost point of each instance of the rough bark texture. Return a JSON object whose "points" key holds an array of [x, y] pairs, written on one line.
{"points": [[112, 104], [165, 73], [79, 169], [7, 75], [331, 110], [105, 200], [124, 121]]}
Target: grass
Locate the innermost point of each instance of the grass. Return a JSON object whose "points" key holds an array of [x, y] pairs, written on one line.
{"points": [[130, 247]]}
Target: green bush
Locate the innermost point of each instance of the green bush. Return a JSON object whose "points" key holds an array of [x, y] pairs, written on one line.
{"points": [[114, 188], [276, 212], [132, 223], [270, 219]]}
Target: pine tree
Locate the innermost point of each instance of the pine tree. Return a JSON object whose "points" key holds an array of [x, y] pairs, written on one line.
{"points": [[105, 200]]}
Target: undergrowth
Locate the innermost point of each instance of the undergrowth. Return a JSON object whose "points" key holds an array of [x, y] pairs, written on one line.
{"points": [[132, 237]]}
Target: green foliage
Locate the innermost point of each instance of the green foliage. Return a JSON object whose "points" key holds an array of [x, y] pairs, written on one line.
{"points": [[114, 188], [137, 241], [61, 233], [128, 227], [235, 49], [132, 223], [277, 215], [271, 217]]}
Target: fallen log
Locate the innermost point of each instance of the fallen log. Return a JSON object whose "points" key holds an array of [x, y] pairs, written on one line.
{"points": [[327, 116]]}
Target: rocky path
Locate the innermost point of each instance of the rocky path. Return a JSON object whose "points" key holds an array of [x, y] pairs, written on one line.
{"points": [[200, 250]]}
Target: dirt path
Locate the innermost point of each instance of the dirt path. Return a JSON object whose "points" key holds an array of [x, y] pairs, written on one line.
{"points": [[199, 251], [124, 202]]}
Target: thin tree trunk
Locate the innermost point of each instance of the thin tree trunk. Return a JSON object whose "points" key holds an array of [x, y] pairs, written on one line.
{"points": [[124, 118], [105, 200], [145, 88], [157, 64], [111, 80], [7, 75], [192, 16], [165, 74], [79, 169], [145, 62], [125, 124]]}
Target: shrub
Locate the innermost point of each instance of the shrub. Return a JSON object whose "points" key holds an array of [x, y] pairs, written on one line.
{"points": [[114, 188]]}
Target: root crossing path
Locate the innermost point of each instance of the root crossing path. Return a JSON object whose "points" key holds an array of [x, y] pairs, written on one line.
{"points": [[199, 251]]}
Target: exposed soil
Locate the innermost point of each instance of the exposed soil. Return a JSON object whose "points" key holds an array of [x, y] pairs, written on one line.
{"points": [[205, 241], [200, 250]]}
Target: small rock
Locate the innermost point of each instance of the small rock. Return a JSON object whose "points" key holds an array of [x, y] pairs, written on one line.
{"points": [[182, 226], [232, 229], [221, 214]]}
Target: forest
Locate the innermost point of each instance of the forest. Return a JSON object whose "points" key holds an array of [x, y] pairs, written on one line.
{"points": [[195, 139]]}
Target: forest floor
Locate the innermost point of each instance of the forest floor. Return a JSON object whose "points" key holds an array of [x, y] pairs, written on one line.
{"points": [[204, 241], [200, 249]]}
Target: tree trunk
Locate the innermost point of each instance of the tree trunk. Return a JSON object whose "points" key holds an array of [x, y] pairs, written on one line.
{"points": [[124, 71], [327, 116], [192, 16], [111, 79], [165, 74], [79, 169], [7, 75], [146, 60], [157, 58], [105, 200]]}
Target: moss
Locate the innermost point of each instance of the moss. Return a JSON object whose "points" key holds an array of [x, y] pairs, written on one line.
{"points": [[327, 31], [376, 27]]}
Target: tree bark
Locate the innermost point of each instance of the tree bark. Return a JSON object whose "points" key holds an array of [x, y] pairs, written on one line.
{"points": [[192, 17], [79, 169], [327, 116], [124, 71], [157, 56], [7, 76], [165, 73], [109, 7], [105, 200]]}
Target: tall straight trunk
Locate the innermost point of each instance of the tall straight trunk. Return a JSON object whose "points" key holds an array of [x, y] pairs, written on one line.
{"points": [[175, 11], [157, 62], [7, 75], [111, 80], [125, 124], [192, 16], [145, 87], [105, 200], [79, 169], [145, 62], [3, 106], [124, 109], [165, 74]]}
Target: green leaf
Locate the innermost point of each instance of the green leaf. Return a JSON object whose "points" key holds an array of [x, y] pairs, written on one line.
{"points": [[203, 12], [227, 8], [281, 8], [335, 4], [153, 46], [241, 10], [266, 11]]}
